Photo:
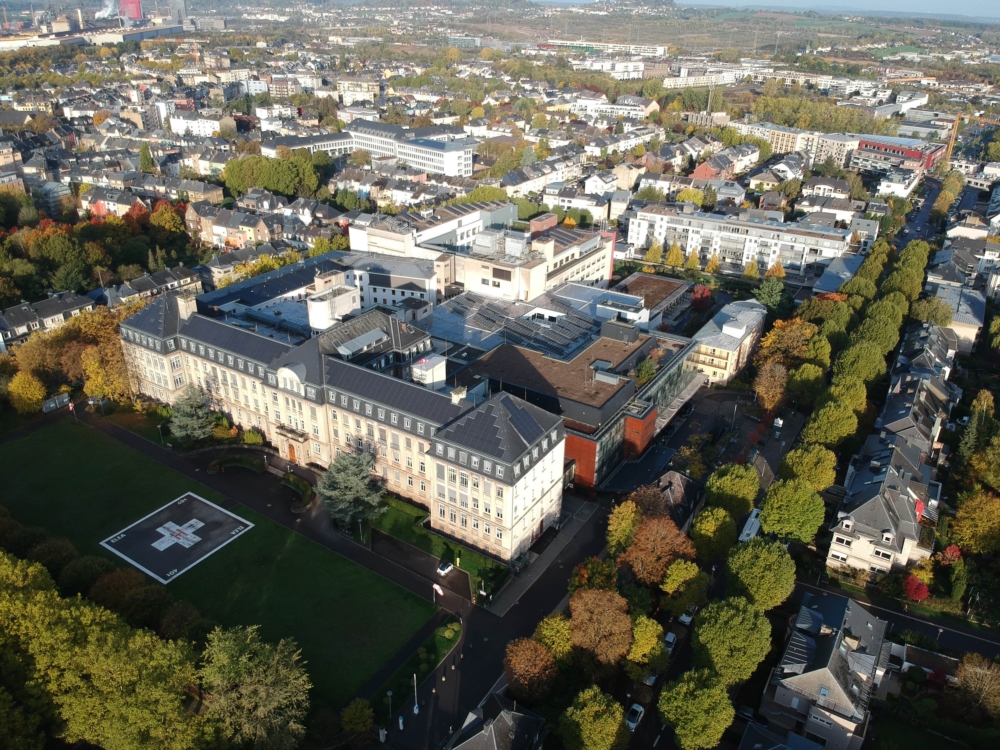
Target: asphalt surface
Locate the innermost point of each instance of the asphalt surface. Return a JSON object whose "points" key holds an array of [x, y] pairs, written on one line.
{"points": [[920, 227]]}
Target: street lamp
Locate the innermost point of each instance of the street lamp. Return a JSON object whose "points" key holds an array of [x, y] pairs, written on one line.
{"points": [[416, 706], [389, 694], [159, 429]]}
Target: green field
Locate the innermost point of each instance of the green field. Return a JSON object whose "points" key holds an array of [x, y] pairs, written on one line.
{"points": [[78, 483], [880, 53]]}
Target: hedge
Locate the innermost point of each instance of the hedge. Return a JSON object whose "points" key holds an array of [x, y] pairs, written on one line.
{"points": [[247, 462], [303, 487]]}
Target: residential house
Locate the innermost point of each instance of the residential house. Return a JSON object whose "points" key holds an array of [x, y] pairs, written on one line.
{"points": [[20, 321], [725, 344]]}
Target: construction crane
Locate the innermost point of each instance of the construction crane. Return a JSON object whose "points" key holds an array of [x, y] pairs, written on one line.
{"points": [[987, 120]]}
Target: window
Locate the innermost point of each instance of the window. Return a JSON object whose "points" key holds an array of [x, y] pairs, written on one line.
{"points": [[423, 486], [499, 472], [409, 480], [451, 475], [838, 556], [439, 449], [486, 529], [381, 414], [440, 511], [451, 516], [423, 467], [486, 508], [883, 554], [406, 423], [394, 418], [842, 541], [500, 492], [420, 428], [475, 462], [333, 415], [475, 524], [499, 533], [465, 521], [463, 480]]}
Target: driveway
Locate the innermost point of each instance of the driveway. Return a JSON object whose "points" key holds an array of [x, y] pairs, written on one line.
{"points": [[421, 563]]}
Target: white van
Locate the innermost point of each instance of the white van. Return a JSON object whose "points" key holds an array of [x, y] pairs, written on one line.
{"points": [[752, 527]]}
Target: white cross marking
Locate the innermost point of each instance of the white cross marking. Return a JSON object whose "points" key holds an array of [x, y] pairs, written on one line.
{"points": [[174, 534]]}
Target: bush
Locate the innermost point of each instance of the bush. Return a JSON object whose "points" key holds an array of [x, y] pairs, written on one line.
{"points": [[54, 554], [80, 575], [300, 485], [252, 437]]}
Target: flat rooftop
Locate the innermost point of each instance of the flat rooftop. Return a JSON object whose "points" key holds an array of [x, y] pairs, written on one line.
{"points": [[652, 289], [566, 379]]}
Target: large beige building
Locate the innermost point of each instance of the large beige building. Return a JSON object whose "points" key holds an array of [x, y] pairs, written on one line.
{"points": [[725, 344], [489, 473]]}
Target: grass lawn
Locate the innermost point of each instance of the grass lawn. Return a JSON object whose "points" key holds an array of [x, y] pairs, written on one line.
{"points": [[140, 423], [78, 483], [400, 521]]}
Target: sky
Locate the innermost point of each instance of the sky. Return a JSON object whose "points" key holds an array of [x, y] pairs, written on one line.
{"points": [[958, 7]]}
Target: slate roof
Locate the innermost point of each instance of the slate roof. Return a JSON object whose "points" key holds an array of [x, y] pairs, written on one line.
{"points": [[410, 398], [233, 339], [503, 427], [500, 725], [833, 654]]}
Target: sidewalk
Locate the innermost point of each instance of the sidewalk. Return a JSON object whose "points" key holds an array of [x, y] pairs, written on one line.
{"points": [[510, 594]]}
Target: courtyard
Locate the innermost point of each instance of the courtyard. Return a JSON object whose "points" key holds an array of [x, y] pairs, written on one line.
{"points": [[78, 483]]}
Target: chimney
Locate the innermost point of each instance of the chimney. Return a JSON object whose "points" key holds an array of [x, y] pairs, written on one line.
{"points": [[186, 307], [79, 17], [458, 394]]}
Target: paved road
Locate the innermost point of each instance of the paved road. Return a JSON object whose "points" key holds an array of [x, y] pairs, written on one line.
{"points": [[919, 227]]}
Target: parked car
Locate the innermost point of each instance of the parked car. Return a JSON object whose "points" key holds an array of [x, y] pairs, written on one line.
{"points": [[445, 568], [688, 615], [650, 680], [670, 640], [634, 716]]}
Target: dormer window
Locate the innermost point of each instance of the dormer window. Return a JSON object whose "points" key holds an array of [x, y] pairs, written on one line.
{"points": [[846, 525]]}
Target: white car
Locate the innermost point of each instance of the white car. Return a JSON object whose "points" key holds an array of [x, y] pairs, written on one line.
{"points": [[688, 616], [650, 680], [445, 568], [670, 640], [634, 716]]}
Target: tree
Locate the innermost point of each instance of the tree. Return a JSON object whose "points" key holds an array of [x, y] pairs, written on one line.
{"points": [[805, 382], [146, 163], [733, 488], [530, 669], [685, 584], [80, 575], [711, 197], [812, 464], [359, 158], [100, 116], [645, 371], [787, 342], [934, 310], [595, 721], [594, 573], [690, 195], [655, 252], [792, 510], [712, 267], [622, 523], [915, 589], [701, 297], [477, 112], [692, 263], [830, 424], [647, 655], [776, 271], [649, 500], [554, 632], [877, 331], [751, 271], [977, 523], [848, 391], [357, 717], [713, 533], [192, 420], [26, 393], [761, 571], [259, 691], [982, 405], [979, 680], [771, 292], [600, 624], [657, 542], [969, 442], [732, 637], [349, 491], [675, 256], [770, 385], [697, 706], [818, 350]]}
